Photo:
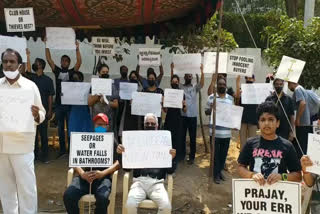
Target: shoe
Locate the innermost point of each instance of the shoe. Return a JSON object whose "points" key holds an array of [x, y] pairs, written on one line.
{"points": [[61, 155], [217, 180], [44, 160], [190, 161], [222, 177]]}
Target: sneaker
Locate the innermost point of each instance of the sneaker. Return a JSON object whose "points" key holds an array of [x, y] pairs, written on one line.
{"points": [[222, 177], [217, 180], [190, 161], [44, 160]]}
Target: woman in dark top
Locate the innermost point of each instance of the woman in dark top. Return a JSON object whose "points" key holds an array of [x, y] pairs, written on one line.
{"points": [[173, 122]]}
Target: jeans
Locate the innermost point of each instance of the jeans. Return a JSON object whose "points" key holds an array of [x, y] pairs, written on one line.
{"points": [[62, 114], [42, 129], [189, 123], [79, 187], [302, 135], [220, 154]]}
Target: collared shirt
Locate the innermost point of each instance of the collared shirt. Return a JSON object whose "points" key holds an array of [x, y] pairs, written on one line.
{"points": [[221, 132], [190, 93], [21, 143], [299, 95]]}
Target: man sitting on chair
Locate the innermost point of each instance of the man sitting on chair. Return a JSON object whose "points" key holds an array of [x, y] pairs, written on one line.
{"points": [[99, 177], [149, 183]]}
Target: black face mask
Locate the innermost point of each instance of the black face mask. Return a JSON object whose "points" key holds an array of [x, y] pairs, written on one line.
{"points": [[175, 86], [278, 89], [151, 83], [188, 81], [123, 75], [133, 81], [104, 76], [34, 67], [221, 90], [149, 128], [249, 82]]}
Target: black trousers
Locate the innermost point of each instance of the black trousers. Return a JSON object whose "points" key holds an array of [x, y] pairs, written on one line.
{"points": [[221, 147], [189, 124], [42, 130], [79, 187], [302, 135]]}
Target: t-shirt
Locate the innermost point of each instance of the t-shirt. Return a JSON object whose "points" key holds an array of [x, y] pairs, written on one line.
{"points": [[299, 95], [61, 75], [190, 93], [287, 103], [269, 156]]}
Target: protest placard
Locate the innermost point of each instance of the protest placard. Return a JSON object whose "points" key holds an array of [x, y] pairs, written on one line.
{"points": [[255, 93], [290, 69], [103, 46], [91, 149], [144, 103], [209, 62], [15, 110], [101, 86], [60, 38], [149, 57], [240, 65], [316, 127], [75, 93], [173, 98], [15, 43], [313, 153], [146, 149], [228, 116], [19, 19], [186, 64], [126, 90], [281, 197]]}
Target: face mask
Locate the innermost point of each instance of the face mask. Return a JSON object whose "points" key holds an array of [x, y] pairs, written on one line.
{"points": [[221, 90], [249, 82], [188, 81], [104, 76], [174, 86], [149, 128], [11, 74], [133, 81], [123, 74], [278, 89], [34, 67], [151, 82], [100, 129]]}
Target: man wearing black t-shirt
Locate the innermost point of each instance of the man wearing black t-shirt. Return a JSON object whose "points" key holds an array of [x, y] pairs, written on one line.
{"points": [[62, 74], [269, 157]]}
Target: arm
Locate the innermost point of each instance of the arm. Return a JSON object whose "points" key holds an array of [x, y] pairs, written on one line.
{"points": [[172, 67], [202, 76], [79, 60], [49, 113], [238, 91], [307, 176], [213, 82], [49, 59], [28, 61], [138, 70], [244, 172], [159, 78], [101, 174], [114, 103], [302, 107], [38, 112], [93, 99]]}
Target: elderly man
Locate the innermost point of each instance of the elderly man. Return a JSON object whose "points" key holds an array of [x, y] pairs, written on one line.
{"points": [[148, 183], [18, 190]]}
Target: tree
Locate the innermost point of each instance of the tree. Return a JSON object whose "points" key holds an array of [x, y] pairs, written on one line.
{"points": [[290, 38], [292, 8]]}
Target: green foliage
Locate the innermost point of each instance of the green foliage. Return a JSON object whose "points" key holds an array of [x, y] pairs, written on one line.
{"points": [[290, 38], [194, 39]]}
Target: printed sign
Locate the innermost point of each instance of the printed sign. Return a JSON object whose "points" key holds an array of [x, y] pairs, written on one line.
{"points": [[209, 62], [144, 103], [15, 110], [240, 65], [91, 149], [173, 98], [103, 46], [75, 93], [60, 38], [313, 153], [101, 86], [186, 64], [19, 19], [255, 93], [15, 43], [146, 149], [281, 197], [149, 57], [126, 90], [290, 69], [228, 116]]}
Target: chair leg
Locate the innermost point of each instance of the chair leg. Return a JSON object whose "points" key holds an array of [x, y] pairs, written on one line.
{"points": [[81, 207]]}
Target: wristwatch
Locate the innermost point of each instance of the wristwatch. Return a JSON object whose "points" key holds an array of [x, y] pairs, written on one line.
{"points": [[284, 176]]}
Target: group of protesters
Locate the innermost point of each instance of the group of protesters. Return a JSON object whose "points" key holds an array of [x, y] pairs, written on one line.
{"points": [[277, 153]]}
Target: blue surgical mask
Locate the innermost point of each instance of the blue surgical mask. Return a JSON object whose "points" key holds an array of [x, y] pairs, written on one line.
{"points": [[100, 129]]}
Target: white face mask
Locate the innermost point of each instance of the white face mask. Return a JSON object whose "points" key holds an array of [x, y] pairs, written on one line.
{"points": [[12, 74]]}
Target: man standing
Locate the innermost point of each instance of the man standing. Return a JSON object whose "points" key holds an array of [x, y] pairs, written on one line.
{"points": [[46, 88], [286, 108], [190, 117], [62, 74], [18, 190]]}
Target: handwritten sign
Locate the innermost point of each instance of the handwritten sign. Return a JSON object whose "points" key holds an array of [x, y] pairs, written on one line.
{"points": [[240, 65], [91, 149], [228, 116], [146, 149], [103, 46], [149, 57], [209, 62], [316, 127], [60, 38], [173, 98], [101, 86], [313, 153], [15, 43], [255, 93], [290, 69], [281, 197], [15, 110], [126, 90], [75, 93], [186, 64], [19, 19], [144, 103]]}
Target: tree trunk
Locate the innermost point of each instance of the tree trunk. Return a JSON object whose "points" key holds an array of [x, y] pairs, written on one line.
{"points": [[292, 8]]}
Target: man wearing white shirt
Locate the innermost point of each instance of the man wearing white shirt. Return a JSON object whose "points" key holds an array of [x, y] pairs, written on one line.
{"points": [[18, 191]]}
